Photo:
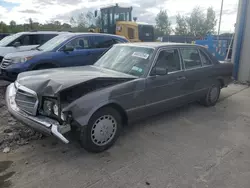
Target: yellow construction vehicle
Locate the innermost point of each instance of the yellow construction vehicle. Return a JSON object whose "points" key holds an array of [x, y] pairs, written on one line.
{"points": [[118, 20]]}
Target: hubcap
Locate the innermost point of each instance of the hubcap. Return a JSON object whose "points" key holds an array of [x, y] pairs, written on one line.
{"points": [[214, 94], [103, 130]]}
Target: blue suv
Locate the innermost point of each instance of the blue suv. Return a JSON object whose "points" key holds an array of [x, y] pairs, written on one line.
{"points": [[65, 50]]}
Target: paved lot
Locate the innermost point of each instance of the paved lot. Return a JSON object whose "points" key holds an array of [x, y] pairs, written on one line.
{"points": [[192, 146]]}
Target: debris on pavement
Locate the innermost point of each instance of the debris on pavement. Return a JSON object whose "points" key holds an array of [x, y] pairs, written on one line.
{"points": [[7, 131], [6, 150], [13, 133]]}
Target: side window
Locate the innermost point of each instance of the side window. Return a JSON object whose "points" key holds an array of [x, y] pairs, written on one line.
{"points": [[79, 43], [26, 40], [103, 42], [169, 59], [131, 33], [204, 59], [45, 37], [191, 58], [116, 41]]}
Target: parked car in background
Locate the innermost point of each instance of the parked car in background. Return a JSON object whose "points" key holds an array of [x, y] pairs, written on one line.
{"points": [[2, 35], [71, 49], [129, 82], [24, 41]]}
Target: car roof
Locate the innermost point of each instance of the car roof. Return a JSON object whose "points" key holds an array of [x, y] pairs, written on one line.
{"points": [[93, 34], [158, 44], [43, 32]]}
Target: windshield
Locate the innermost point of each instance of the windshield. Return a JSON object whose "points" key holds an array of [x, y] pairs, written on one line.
{"points": [[7, 40], [127, 59], [53, 43]]}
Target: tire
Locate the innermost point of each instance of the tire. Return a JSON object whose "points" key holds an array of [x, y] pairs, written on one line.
{"points": [[212, 96], [102, 130]]}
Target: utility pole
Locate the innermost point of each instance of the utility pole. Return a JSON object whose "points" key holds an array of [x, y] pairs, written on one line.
{"points": [[221, 10]]}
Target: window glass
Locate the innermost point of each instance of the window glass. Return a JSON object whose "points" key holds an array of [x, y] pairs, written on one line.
{"points": [[169, 59], [103, 42], [131, 33], [26, 40], [205, 60], [105, 19], [116, 41], [127, 59], [9, 39], [54, 42], [45, 37], [79, 43], [191, 58]]}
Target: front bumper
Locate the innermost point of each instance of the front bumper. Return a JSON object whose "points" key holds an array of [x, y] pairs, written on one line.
{"points": [[41, 123]]}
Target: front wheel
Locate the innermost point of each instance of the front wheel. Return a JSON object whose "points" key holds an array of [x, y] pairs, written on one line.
{"points": [[102, 131], [212, 95]]}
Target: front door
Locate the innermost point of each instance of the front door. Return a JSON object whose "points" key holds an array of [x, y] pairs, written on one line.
{"points": [[166, 91], [27, 42]]}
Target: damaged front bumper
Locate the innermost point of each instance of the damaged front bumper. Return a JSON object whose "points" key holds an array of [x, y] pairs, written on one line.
{"points": [[41, 123]]}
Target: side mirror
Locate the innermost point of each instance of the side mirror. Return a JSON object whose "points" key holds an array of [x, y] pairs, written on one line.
{"points": [[160, 71], [17, 44], [68, 49]]}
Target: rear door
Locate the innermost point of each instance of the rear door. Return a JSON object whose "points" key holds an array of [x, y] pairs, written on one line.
{"points": [[194, 72], [209, 72], [81, 55]]}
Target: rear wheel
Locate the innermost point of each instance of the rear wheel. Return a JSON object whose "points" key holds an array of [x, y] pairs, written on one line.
{"points": [[102, 131], [212, 95]]}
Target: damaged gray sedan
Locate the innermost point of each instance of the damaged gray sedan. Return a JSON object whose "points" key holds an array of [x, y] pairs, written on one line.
{"points": [[129, 82]]}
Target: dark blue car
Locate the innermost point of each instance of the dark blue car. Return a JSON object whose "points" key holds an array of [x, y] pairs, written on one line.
{"points": [[71, 49]]}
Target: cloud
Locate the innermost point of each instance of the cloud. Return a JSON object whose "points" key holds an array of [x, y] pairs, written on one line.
{"points": [[29, 11], [145, 10]]}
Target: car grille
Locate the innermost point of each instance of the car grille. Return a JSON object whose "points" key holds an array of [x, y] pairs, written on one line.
{"points": [[26, 101], [5, 63]]}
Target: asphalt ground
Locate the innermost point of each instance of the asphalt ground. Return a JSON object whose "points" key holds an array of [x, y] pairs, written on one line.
{"points": [[189, 147]]}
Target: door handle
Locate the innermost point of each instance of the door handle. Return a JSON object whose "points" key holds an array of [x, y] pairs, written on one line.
{"points": [[181, 78]]}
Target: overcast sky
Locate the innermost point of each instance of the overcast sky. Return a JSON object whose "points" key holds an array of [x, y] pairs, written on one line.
{"points": [[145, 10]]}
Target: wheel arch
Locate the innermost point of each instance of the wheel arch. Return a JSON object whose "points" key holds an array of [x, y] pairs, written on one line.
{"points": [[113, 105], [221, 81]]}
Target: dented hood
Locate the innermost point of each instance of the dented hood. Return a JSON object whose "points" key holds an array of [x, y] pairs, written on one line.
{"points": [[50, 82]]}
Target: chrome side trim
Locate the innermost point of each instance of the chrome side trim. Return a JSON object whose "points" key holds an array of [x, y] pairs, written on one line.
{"points": [[165, 100]]}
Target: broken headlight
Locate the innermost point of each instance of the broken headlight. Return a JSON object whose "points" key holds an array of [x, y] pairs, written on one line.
{"points": [[50, 107]]}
